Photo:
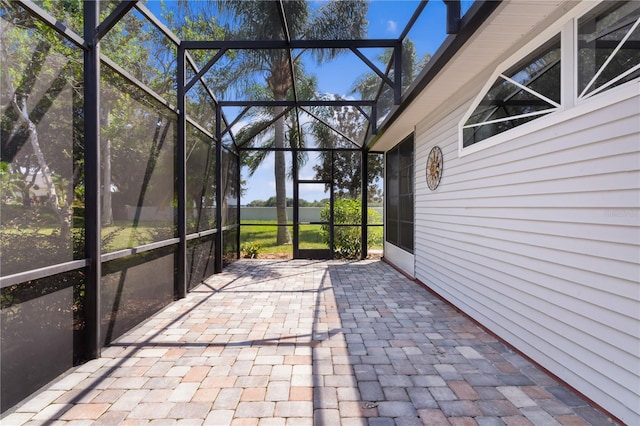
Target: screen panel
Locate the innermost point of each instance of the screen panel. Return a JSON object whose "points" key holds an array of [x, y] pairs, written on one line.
{"points": [[41, 185], [138, 142], [135, 287], [41, 333]]}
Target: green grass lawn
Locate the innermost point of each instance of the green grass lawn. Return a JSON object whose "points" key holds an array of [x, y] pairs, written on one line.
{"points": [[123, 235], [310, 237], [117, 237], [265, 236]]}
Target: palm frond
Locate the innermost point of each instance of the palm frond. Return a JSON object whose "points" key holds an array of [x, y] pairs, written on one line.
{"points": [[328, 23], [253, 132], [253, 159]]}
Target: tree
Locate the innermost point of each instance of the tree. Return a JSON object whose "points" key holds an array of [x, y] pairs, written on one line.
{"points": [[129, 115], [256, 20], [348, 181], [41, 78], [350, 122]]}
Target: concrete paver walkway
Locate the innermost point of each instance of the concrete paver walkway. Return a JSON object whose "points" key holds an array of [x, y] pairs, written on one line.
{"points": [[302, 343]]}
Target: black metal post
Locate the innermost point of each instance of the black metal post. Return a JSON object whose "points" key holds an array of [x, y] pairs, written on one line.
{"points": [[364, 178], [332, 218], [296, 201], [92, 177], [238, 216], [397, 73], [374, 120], [181, 178], [453, 16], [218, 142]]}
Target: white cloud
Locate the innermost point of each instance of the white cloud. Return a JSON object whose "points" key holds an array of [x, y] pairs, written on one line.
{"points": [[392, 26]]}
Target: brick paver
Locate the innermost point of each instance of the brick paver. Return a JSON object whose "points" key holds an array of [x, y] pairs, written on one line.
{"points": [[307, 342]]}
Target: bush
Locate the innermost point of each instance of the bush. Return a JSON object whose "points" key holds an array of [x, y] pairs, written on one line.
{"points": [[250, 250], [347, 240]]}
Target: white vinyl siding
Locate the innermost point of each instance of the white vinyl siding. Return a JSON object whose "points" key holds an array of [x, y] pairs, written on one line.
{"points": [[538, 239]]}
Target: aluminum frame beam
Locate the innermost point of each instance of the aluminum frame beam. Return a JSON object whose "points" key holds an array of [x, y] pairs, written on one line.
{"points": [[248, 103], [284, 44]]}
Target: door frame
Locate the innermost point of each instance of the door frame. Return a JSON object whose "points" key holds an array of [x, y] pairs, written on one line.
{"points": [[318, 254]]}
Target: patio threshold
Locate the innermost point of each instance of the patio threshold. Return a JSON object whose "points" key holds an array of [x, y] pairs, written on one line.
{"points": [[304, 342]]}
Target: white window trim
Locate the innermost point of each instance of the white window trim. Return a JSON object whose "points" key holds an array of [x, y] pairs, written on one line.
{"points": [[571, 104]]}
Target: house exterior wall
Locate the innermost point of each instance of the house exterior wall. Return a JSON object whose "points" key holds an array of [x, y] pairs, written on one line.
{"points": [[399, 258], [538, 239]]}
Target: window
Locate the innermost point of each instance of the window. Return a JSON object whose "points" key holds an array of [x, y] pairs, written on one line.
{"points": [[606, 53], [526, 91], [608, 47], [399, 195]]}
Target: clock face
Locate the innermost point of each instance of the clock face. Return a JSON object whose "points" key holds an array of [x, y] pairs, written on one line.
{"points": [[434, 168]]}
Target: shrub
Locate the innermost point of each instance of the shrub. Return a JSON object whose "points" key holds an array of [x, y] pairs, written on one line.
{"points": [[347, 240], [250, 250]]}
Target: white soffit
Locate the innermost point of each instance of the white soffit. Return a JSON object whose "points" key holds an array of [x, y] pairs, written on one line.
{"points": [[511, 25]]}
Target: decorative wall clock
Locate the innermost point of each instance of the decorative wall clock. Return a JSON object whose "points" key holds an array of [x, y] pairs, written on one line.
{"points": [[434, 168]]}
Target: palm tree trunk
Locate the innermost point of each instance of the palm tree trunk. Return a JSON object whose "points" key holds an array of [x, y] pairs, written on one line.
{"points": [[284, 237]]}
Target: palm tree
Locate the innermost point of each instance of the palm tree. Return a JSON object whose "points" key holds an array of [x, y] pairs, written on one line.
{"points": [[353, 125], [261, 20]]}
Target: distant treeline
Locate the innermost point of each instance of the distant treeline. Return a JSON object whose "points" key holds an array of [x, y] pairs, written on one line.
{"points": [[271, 202]]}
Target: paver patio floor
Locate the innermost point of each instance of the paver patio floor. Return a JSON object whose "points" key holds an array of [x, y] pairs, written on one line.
{"points": [[307, 342]]}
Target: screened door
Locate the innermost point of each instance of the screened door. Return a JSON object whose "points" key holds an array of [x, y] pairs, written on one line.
{"points": [[313, 225]]}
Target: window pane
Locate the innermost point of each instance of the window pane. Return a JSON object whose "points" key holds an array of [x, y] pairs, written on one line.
{"points": [[406, 236], [314, 202], [399, 195], [533, 71], [393, 205], [313, 237], [406, 180], [391, 229], [406, 208], [200, 107], [392, 177], [406, 153], [472, 135], [599, 33]]}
